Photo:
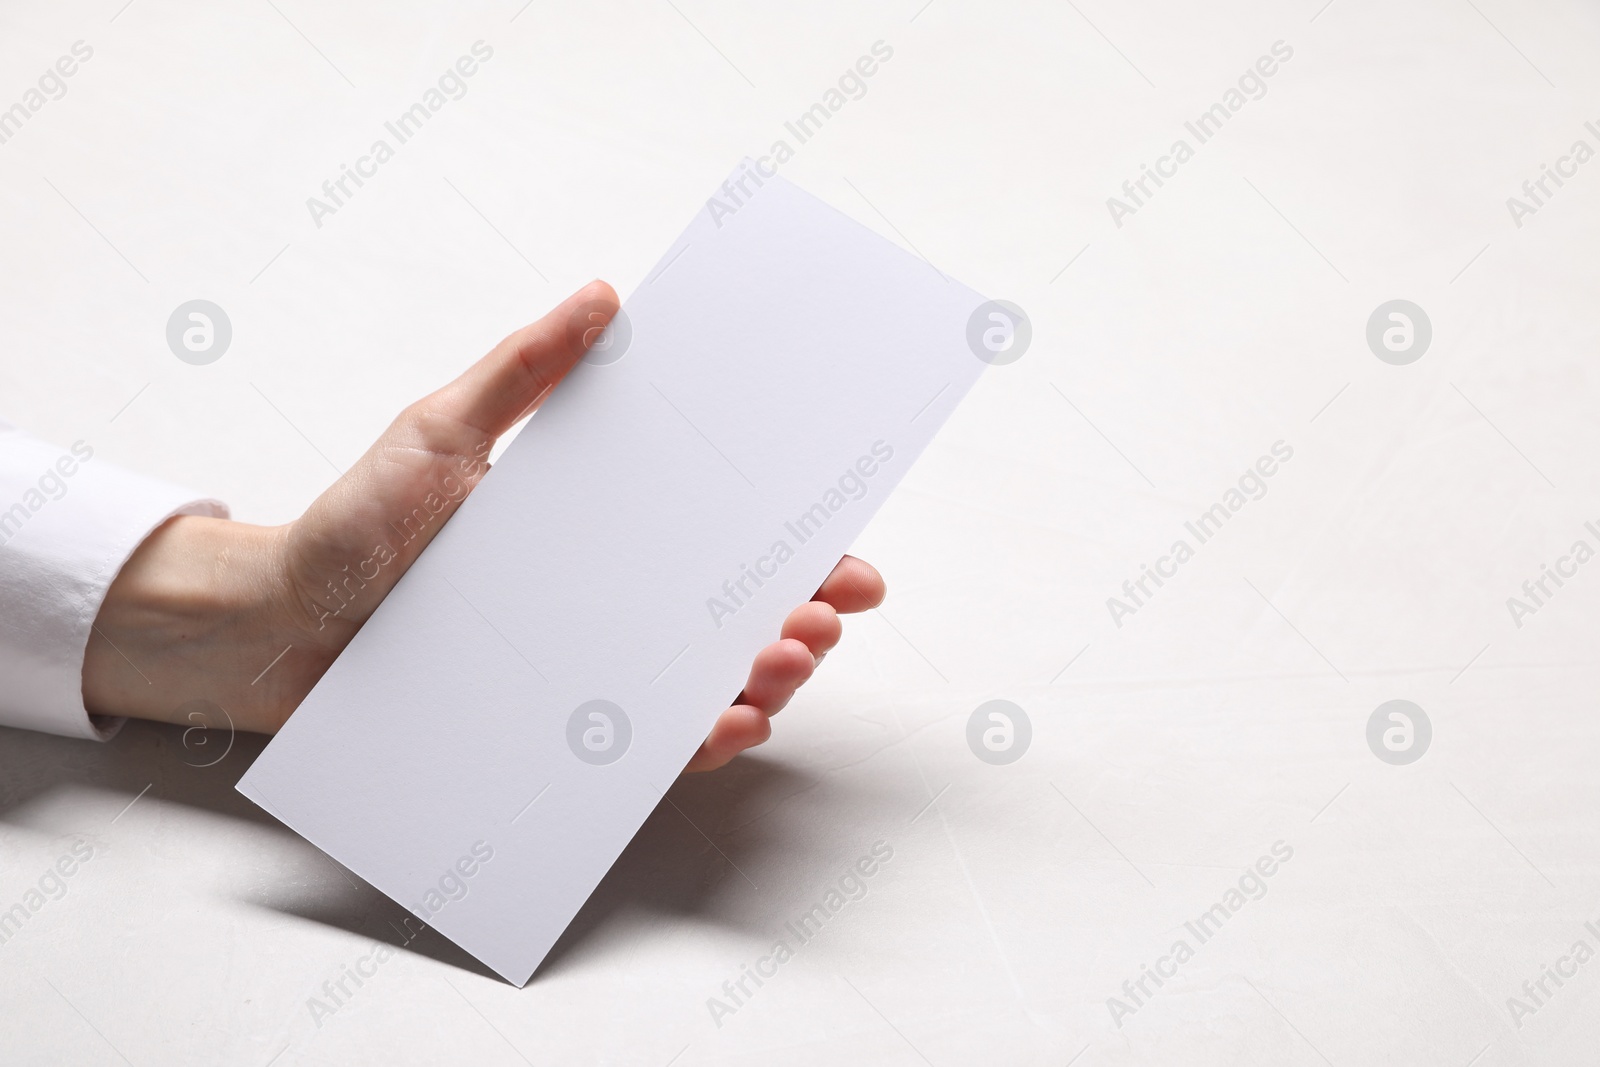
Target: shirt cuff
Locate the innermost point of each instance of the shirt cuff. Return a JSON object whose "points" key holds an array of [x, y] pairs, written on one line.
{"points": [[68, 522]]}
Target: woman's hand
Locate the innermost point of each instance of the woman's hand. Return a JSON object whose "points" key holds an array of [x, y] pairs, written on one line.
{"points": [[244, 616]]}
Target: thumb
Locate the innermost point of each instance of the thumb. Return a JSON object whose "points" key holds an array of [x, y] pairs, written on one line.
{"points": [[503, 386], [432, 453]]}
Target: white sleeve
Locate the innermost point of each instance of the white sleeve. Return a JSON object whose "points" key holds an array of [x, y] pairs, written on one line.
{"points": [[68, 522]]}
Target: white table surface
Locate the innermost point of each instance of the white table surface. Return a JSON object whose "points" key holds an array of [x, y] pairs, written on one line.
{"points": [[1228, 313]]}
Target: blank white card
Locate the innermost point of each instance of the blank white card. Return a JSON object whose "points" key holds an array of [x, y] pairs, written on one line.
{"points": [[503, 725]]}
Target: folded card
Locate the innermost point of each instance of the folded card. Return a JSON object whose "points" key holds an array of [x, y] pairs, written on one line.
{"points": [[500, 728]]}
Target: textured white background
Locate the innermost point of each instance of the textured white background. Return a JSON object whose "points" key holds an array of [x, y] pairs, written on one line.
{"points": [[1168, 355]]}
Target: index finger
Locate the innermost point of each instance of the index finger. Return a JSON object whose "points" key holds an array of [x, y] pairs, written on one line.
{"points": [[855, 585]]}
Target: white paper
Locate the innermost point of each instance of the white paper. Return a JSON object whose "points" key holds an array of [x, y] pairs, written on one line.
{"points": [[778, 354]]}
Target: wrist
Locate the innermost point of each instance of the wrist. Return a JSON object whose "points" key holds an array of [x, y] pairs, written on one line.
{"points": [[187, 618]]}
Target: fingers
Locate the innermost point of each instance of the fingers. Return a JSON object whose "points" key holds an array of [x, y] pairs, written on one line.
{"points": [[855, 585], [779, 669], [816, 625], [738, 728], [493, 393], [782, 667]]}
